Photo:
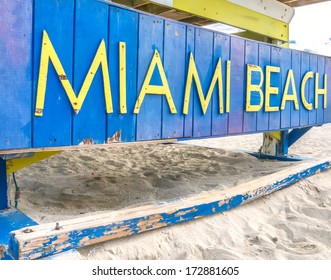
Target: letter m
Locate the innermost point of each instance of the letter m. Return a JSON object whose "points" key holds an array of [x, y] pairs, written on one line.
{"points": [[48, 54]]}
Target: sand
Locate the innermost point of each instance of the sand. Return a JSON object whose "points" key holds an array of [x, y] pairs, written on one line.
{"points": [[294, 223]]}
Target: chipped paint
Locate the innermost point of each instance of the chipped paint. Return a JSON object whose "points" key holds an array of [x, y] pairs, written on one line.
{"points": [[115, 138], [87, 141]]}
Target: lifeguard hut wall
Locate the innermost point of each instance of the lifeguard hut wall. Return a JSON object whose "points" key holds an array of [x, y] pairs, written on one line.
{"points": [[85, 72]]}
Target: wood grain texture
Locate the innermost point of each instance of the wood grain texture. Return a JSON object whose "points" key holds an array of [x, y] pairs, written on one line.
{"points": [[44, 240]]}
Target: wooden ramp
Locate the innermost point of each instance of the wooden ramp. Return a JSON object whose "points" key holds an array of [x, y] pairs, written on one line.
{"points": [[48, 239]]}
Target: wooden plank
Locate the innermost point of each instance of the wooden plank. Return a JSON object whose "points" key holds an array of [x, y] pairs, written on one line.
{"points": [[174, 66], [150, 39], [304, 69], [204, 62], [312, 115], [275, 82], [123, 27], [252, 57], [327, 113], [321, 72], [190, 48], [264, 60], [15, 74], [295, 114], [286, 63], [221, 50], [236, 115], [90, 123], [55, 126], [44, 240]]}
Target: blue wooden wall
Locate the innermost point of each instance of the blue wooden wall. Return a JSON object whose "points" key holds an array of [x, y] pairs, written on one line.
{"points": [[76, 29]]}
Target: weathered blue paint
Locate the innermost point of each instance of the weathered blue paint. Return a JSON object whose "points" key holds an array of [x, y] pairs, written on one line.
{"points": [[76, 238], [286, 63], [174, 51], [57, 18], [295, 114], [90, 123], [190, 48], [15, 74], [12, 220], [203, 57], [221, 49], [236, 113], [123, 27], [76, 29], [264, 60], [251, 57]]}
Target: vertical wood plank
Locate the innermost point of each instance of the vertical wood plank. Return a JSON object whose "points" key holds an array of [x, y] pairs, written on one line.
{"points": [[304, 69], [251, 57], [123, 27], [204, 63], [285, 65], [91, 27], [312, 115], [327, 112], [221, 50], [264, 60], [236, 114], [15, 73], [190, 48], [150, 39], [321, 71], [275, 99], [296, 67], [174, 66], [54, 128]]}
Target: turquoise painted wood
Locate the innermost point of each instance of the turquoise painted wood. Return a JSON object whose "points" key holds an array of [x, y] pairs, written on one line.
{"points": [[76, 29]]}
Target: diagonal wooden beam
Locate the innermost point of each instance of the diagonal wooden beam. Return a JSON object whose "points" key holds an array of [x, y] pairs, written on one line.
{"points": [[44, 240]]}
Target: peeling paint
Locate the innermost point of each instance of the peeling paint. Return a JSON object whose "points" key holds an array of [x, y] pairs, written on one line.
{"points": [[115, 138]]}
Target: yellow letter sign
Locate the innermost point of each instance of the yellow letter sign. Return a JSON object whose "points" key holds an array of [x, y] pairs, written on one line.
{"points": [[48, 53]]}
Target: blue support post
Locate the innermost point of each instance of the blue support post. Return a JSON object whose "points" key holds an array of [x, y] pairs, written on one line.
{"points": [[284, 143], [3, 185]]}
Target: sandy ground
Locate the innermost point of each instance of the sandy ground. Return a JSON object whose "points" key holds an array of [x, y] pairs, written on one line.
{"points": [[294, 223]]}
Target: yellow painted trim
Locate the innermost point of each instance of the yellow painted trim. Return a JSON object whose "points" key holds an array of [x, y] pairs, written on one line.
{"points": [[269, 89], [48, 53], [290, 97], [192, 74], [320, 91], [235, 15], [306, 104], [16, 164], [252, 87], [122, 81], [153, 89], [275, 134]]}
